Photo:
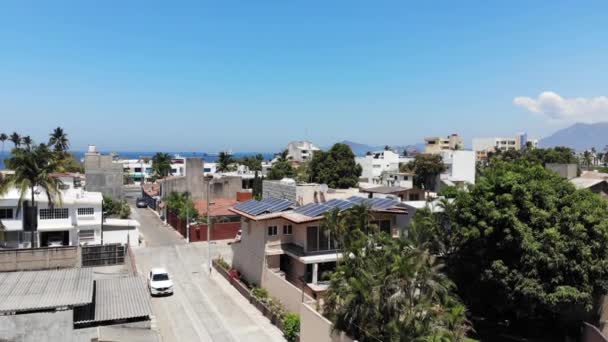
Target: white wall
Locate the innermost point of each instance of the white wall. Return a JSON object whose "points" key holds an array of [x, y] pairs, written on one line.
{"points": [[114, 234], [316, 328]]}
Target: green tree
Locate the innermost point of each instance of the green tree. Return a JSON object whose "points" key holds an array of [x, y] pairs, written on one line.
{"points": [[59, 140], [27, 141], [183, 205], [426, 168], [33, 166], [112, 207], [336, 168], [224, 162], [161, 165], [281, 168], [253, 163], [529, 249], [15, 139], [389, 289]]}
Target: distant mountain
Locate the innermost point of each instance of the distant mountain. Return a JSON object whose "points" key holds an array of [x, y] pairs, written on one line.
{"points": [[579, 136], [361, 149]]}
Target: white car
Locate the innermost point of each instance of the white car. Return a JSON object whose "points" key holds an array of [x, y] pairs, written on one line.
{"points": [[159, 282]]}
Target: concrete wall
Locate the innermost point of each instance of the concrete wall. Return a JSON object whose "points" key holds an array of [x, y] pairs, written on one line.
{"points": [[120, 234], [279, 288], [567, 171], [39, 258], [103, 175], [35, 327], [316, 328], [301, 193], [277, 190], [248, 255]]}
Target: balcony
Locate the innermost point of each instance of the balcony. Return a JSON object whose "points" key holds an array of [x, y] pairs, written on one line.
{"points": [[305, 257]]}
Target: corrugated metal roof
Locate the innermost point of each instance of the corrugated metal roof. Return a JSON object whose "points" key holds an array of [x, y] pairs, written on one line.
{"points": [[40, 290], [116, 299]]}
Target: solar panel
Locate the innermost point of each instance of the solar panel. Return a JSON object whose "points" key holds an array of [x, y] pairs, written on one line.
{"points": [[280, 206], [272, 205], [302, 209], [245, 205], [317, 210]]}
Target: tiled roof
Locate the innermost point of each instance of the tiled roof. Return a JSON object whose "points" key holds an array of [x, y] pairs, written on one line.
{"points": [[40, 290], [218, 206], [116, 299]]}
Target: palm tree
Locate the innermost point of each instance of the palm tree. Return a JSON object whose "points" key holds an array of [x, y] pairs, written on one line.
{"points": [[334, 223], [27, 141], [15, 139], [161, 164], [283, 156], [3, 138], [32, 168], [59, 139], [224, 162]]}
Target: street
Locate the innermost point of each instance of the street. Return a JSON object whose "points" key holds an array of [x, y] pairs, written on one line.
{"points": [[203, 307]]}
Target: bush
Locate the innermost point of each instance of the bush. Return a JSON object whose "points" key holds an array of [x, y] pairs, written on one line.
{"points": [[291, 326], [223, 264], [260, 294]]}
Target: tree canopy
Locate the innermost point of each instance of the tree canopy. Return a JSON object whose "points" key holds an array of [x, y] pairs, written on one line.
{"points": [[253, 163], [390, 289], [183, 205], [281, 168], [543, 156], [161, 165], [224, 162], [528, 248], [336, 168], [426, 168]]}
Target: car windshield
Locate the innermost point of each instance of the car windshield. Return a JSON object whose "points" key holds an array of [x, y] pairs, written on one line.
{"points": [[160, 277]]}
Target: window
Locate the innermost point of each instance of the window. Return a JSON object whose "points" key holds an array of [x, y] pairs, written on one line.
{"points": [[54, 214], [138, 169], [319, 239], [6, 213], [85, 211], [414, 197], [383, 226], [287, 230], [88, 234], [272, 231]]}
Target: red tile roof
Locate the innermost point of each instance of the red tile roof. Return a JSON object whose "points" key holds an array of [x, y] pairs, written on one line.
{"points": [[217, 207]]}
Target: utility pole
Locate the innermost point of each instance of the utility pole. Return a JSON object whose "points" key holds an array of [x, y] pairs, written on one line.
{"points": [[209, 179], [187, 217]]}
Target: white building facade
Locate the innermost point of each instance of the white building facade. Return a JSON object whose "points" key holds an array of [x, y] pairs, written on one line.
{"points": [[76, 219], [375, 164], [135, 169], [460, 167], [483, 146], [301, 151]]}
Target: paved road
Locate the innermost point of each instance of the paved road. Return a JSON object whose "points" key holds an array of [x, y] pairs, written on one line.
{"points": [[203, 308]]}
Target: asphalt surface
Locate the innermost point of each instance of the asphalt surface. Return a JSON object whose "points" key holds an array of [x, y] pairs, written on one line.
{"points": [[203, 307]]}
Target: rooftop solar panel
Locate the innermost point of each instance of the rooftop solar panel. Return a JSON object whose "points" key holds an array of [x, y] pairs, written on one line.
{"points": [[270, 205]]}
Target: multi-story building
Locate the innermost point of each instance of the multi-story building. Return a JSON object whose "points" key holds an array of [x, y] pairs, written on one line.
{"points": [[460, 168], [279, 237], [375, 164], [435, 145], [483, 146], [74, 219], [136, 169], [301, 151]]}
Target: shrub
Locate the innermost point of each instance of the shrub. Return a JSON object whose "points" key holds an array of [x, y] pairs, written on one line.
{"points": [[260, 294], [222, 263], [291, 326]]}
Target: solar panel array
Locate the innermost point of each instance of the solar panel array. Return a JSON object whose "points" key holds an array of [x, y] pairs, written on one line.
{"points": [[268, 205], [317, 209]]}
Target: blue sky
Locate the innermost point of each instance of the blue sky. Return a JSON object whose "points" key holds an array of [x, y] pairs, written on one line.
{"points": [[252, 75]]}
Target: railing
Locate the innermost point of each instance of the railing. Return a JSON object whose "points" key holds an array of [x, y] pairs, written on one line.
{"points": [[103, 255]]}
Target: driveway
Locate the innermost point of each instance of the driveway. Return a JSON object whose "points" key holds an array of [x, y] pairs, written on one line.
{"points": [[203, 307]]}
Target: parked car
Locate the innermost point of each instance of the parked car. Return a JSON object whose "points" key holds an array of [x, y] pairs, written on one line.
{"points": [[55, 242], [140, 203], [159, 282]]}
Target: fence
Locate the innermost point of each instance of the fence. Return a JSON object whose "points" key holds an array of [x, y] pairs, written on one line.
{"points": [[39, 258], [198, 232], [316, 328], [103, 255]]}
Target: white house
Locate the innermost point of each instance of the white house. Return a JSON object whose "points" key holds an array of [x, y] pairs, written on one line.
{"points": [[76, 219], [301, 151], [142, 167], [460, 167], [482, 146], [375, 164]]}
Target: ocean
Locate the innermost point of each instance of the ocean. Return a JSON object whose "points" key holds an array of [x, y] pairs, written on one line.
{"points": [[135, 155]]}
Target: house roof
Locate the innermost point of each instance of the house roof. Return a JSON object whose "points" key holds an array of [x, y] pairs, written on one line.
{"points": [[116, 299], [42, 290], [315, 211], [217, 207], [594, 175], [386, 190], [152, 189], [585, 183]]}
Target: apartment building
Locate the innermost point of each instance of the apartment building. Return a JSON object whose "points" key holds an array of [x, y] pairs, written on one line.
{"points": [[279, 237], [301, 151], [460, 168], [435, 145], [483, 146], [375, 164], [76, 219], [138, 169]]}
